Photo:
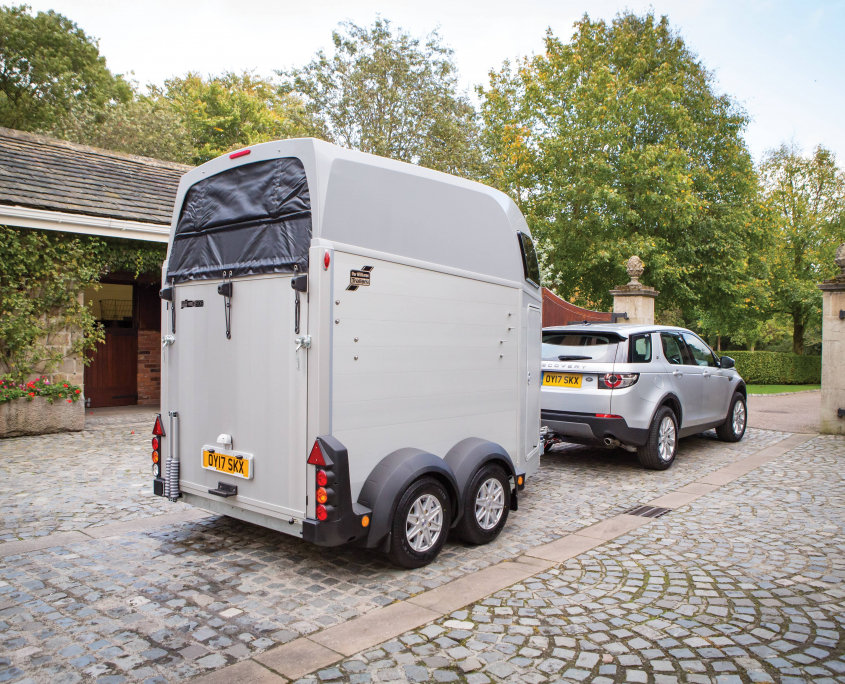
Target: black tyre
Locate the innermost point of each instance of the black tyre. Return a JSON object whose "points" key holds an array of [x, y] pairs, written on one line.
{"points": [[420, 524], [733, 429], [487, 502], [662, 446]]}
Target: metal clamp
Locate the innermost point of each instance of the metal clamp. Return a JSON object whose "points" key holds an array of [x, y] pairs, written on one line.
{"points": [[167, 340]]}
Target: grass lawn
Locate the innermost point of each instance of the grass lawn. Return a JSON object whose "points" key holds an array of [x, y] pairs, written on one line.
{"points": [[778, 389]]}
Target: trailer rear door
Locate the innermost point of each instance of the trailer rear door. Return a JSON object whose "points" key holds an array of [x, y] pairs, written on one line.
{"points": [[236, 375]]}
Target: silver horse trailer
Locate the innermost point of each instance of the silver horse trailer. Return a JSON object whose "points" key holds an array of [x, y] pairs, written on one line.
{"points": [[351, 349]]}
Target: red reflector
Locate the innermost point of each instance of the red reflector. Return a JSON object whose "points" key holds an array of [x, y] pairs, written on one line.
{"points": [[155, 444], [322, 513], [322, 478], [239, 153], [158, 430], [607, 415], [316, 457], [327, 259]]}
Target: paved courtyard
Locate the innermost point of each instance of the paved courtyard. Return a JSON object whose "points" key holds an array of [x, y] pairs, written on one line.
{"points": [[101, 581]]}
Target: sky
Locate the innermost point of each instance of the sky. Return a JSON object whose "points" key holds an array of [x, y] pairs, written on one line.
{"points": [[783, 61]]}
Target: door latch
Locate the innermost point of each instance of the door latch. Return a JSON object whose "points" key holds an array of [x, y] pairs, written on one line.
{"points": [[303, 342], [167, 340]]}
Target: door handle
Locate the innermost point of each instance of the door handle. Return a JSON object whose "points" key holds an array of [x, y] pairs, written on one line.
{"points": [[678, 373]]}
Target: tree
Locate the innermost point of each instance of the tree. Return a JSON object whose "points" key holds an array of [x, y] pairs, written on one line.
{"points": [[806, 200], [616, 144], [49, 68], [387, 93], [232, 110], [144, 126]]}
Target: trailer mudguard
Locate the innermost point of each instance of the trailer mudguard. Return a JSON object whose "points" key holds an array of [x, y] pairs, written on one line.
{"points": [[468, 455], [391, 477]]}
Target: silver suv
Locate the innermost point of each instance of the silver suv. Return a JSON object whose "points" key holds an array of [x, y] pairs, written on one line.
{"points": [[639, 387]]}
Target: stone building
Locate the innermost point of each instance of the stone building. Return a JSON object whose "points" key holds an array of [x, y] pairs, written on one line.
{"points": [[48, 184]]}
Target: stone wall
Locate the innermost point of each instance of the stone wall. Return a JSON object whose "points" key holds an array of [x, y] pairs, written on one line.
{"points": [[149, 367]]}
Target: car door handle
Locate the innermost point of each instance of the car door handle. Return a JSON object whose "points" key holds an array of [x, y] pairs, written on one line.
{"points": [[677, 373], [706, 374]]}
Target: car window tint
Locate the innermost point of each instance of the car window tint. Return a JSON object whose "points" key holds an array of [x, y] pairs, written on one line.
{"points": [[672, 349], [640, 349], [701, 353], [575, 346]]}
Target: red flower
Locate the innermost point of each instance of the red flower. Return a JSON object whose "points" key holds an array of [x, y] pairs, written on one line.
{"points": [[77, 391], [32, 394], [64, 384], [70, 401]]}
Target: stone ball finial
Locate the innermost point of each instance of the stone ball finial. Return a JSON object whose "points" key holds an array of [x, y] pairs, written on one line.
{"points": [[635, 268], [839, 259]]}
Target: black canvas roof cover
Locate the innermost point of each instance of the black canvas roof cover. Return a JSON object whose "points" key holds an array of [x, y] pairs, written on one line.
{"points": [[254, 218]]}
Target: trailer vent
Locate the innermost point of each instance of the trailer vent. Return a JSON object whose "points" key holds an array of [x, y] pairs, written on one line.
{"points": [[648, 511]]}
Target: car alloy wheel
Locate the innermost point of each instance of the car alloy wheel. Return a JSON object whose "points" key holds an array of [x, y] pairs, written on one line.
{"points": [[667, 439], [738, 418]]}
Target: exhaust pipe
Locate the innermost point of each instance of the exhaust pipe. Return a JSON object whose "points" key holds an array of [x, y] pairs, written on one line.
{"points": [[611, 443]]}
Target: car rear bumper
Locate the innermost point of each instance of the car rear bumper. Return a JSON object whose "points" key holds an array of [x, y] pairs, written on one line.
{"points": [[588, 428]]}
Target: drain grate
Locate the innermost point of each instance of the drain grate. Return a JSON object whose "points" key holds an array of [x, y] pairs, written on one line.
{"points": [[648, 511]]}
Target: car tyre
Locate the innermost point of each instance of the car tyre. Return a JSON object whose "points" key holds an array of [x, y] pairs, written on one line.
{"points": [[487, 501], [662, 445], [420, 524], [733, 429]]}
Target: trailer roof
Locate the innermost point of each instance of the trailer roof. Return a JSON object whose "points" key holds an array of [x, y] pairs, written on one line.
{"points": [[383, 205]]}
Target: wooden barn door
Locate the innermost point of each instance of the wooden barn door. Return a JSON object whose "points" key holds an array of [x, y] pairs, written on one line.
{"points": [[111, 379]]}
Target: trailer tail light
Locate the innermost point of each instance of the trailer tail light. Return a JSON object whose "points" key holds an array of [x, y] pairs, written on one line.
{"points": [[327, 259], [322, 495], [155, 457], [316, 457], [322, 478], [155, 443], [322, 512], [158, 430]]}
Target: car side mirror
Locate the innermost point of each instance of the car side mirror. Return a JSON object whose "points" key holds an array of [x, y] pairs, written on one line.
{"points": [[726, 362]]}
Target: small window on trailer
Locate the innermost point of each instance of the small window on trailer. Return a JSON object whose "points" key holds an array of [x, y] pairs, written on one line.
{"points": [[529, 259]]}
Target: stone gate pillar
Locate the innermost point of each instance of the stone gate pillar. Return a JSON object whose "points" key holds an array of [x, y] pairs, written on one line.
{"points": [[832, 419], [635, 299]]}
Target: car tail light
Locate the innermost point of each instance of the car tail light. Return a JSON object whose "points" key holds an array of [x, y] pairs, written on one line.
{"points": [[617, 380]]}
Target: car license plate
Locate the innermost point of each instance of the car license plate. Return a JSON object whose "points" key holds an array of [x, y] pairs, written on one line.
{"points": [[237, 464], [562, 380]]}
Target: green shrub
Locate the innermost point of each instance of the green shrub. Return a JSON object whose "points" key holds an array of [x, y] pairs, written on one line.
{"points": [[777, 368]]}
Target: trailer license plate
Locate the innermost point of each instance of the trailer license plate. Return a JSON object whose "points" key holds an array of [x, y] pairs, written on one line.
{"points": [[562, 380], [237, 464]]}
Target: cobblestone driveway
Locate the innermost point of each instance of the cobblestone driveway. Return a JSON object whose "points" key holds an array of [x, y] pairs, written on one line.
{"points": [[744, 585], [190, 597]]}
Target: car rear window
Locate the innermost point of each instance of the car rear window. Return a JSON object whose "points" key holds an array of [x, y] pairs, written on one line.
{"points": [[580, 346]]}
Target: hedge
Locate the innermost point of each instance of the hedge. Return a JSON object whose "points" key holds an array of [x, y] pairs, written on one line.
{"points": [[777, 368]]}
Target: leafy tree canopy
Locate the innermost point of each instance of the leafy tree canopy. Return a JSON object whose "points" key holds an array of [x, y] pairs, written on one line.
{"points": [[805, 198], [49, 68], [615, 143], [229, 111], [386, 92]]}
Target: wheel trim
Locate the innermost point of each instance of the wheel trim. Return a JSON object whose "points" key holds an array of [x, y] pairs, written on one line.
{"points": [[738, 418], [666, 439], [489, 503], [424, 523]]}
